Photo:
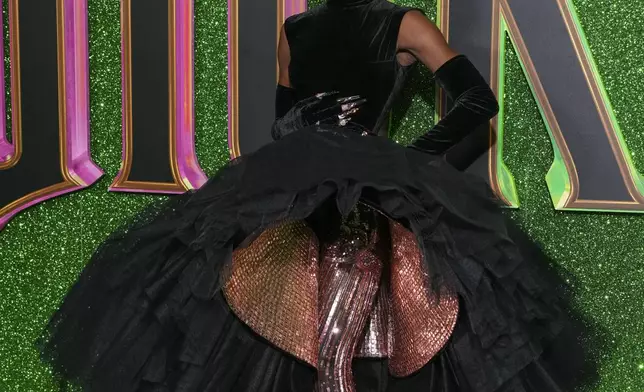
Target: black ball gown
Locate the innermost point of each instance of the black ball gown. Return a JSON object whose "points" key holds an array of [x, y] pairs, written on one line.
{"points": [[328, 260]]}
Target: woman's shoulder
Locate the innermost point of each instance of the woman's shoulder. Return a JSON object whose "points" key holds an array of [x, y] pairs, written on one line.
{"points": [[376, 8], [378, 12], [305, 16], [301, 21]]}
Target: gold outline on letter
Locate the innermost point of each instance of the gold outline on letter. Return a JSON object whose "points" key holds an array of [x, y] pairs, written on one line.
{"points": [[603, 110], [16, 104], [233, 64], [570, 199], [233, 83], [122, 182], [68, 182]]}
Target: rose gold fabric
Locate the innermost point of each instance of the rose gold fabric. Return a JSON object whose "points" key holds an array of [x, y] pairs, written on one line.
{"points": [[273, 288], [330, 313], [422, 321], [349, 280], [377, 338]]}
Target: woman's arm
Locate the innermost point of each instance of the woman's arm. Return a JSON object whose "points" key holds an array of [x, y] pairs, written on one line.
{"points": [[474, 101], [421, 38], [283, 59], [285, 97]]}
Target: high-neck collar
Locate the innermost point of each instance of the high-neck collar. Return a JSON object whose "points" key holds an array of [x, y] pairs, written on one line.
{"points": [[349, 3]]}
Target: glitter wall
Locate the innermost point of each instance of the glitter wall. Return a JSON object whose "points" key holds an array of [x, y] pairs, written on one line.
{"points": [[43, 249]]}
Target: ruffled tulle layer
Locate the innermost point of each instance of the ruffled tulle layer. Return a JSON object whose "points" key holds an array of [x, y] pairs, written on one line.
{"points": [[148, 314]]}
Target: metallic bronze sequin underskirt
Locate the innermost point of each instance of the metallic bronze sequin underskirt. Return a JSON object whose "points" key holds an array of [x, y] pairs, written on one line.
{"points": [[273, 288]]}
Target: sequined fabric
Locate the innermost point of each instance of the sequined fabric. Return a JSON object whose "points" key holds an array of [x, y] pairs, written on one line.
{"points": [[350, 273], [378, 339], [423, 321], [273, 288], [368, 297]]}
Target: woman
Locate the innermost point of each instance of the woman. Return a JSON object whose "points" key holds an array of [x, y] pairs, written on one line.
{"points": [[330, 260]]}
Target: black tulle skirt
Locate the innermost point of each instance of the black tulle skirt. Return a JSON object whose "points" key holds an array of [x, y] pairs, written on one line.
{"points": [[148, 314]]}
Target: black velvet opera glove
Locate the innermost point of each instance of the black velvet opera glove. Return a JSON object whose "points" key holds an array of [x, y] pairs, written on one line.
{"points": [[324, 108], [459, 136]]}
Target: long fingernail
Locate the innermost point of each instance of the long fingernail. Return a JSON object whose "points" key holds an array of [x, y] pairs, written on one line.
{"points": [[349, 106], [352, 111], [348, 112], [347, 99], [327, 94]]}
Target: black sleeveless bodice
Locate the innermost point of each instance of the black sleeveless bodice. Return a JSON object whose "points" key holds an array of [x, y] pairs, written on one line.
{"points": [[349, 46]]}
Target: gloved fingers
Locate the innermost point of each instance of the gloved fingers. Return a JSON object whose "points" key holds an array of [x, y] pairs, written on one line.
{"points": [[339, 110]]}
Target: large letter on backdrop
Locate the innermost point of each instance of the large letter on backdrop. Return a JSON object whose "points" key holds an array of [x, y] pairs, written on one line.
{"points": [[48, 154], [592, 169], [158, 98], [252, 77]]}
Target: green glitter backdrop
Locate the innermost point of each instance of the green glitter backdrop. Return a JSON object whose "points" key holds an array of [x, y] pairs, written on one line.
{"points": [[43, 249]]}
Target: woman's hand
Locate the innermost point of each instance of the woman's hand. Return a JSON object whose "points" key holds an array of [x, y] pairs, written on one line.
{"points": [[323, 108]]}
